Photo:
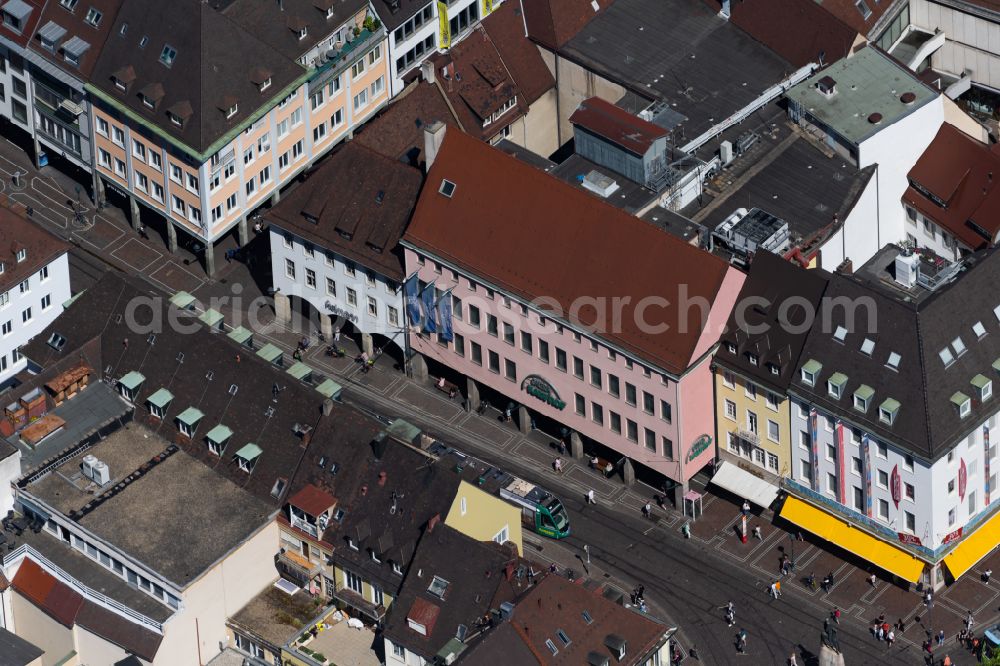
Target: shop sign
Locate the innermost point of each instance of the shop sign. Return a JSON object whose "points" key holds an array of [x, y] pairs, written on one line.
{"points": [[341, 312], [699, 447], [537, 387], [963, 478], [953, 536], [909, 539]]}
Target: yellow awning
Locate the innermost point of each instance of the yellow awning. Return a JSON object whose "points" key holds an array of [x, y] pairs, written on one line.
{"points": [[841, 533], [974, 547]]}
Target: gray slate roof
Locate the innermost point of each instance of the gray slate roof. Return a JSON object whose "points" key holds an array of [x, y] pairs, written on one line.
{"points": [[917, 326], [212, 69]]}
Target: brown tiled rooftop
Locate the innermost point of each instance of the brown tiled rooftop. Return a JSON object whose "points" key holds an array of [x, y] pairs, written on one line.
{"points": [[591, 242], [17, 233], [398, 132], [617, 125], [519, 54], [552, 23]]}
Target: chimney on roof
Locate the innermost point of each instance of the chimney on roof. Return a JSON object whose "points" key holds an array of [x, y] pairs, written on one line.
{"points": [[432, 523], [381, 478], [427, 71], [433, 138], [327, 408], [364, 489]]}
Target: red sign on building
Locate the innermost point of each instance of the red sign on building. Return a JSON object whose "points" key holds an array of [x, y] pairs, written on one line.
{"points": [[895, 486], [953, 536], [909, 538], [962, 479]]}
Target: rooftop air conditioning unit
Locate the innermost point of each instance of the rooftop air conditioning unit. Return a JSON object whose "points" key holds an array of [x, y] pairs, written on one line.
{"points": [[89, 461], [102, 473]]}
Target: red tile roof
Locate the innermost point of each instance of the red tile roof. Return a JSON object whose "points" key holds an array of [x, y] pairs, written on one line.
{"points": [[552, 23], [519, 54], [398, 132], [617, 125], [312, 500], [42, 589], [965, 175], [577, 247], [424, 612]]}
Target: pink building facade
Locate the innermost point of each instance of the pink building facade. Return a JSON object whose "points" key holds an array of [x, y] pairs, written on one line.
{"points": [[646, 415]]}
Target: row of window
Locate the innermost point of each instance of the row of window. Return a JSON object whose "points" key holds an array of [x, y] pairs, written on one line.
{"points": [[508, 368], [350, 293], [750, 451]]}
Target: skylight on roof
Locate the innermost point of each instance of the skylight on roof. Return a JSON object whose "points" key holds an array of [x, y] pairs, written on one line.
{"points": [[167, 55], [840, 334], [958, 346], [447, 188], [946, 357], [979, 329], [438, 587], [867, 346], [893, 361]]}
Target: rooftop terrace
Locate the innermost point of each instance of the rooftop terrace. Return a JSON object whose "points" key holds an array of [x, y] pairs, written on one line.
{"points": [[277, 616], [175, 515]]}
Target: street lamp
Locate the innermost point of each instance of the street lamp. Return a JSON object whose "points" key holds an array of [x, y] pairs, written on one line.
{"points": [[791, 538]]}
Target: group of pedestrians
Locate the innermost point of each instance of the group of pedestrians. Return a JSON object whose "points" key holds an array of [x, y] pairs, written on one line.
{"points": [[884, 631]]}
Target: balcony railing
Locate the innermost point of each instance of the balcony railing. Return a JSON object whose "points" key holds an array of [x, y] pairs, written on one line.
{"points": [[94, 595], [305, 526], [299, 563]]}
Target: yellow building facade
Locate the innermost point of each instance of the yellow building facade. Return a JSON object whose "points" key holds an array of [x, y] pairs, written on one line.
{"points": [[752, 423], [485, 517]]}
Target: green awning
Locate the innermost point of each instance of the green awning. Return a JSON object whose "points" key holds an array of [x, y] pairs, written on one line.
{"points": [[190, 416], [211, 316], [269, 353], [132, 380], [182, 299], [812, 366], [300, 370], [403, 430], [838, 379], [249, 452], [864, 392], [979, 381], [160, 398], [219, 434], [239, 335], [329, 388], [959, 398]]}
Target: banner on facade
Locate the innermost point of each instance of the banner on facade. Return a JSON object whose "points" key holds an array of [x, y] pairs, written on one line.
{"points": [[487, 8], [986, 462], [412, 291], [865, 446], [445, 27], [963, 479], [814, 453], [895, 485], [841, 455], [952, 536], [912, 539], [445, 332], [427, 297]]}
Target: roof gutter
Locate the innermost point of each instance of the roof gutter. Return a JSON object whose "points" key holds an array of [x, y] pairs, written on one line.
{"points": [[218, 144]]}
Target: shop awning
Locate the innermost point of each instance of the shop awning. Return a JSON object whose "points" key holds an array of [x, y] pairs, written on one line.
{"points": [[974, 547], [182, 299], [329, 389], [841, 533], [269, 353], [744, 484]]}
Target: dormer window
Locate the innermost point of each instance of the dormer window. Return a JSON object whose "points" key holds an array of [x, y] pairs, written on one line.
{"points": [[946, 356], [330, 12], [168, 55], [887, 411], [175, 119], [730, 347], [231, 111], [809, 372], [217, 438], [840, 334], [147, 102], [984, 387], [893, 361], [301, 34], [979, 330], [247, 457], [963, 403], [187, 421], [397, 568], [93, 17], [752, 358], [69, 4], [121, 85], [2, 267], [958, 346], [265, 84], [867, 347], [835, 385], [158, 402], [438, 587], [21, 255], [775, 369], [352, 544], [862, 397]]}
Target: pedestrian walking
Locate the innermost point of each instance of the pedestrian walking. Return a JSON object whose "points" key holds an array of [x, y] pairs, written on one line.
{"points": [[890, 638], [940, 637], [557, 465], [900, 625], [872, 581], [776, 589], [741, 641], [946, 661], [986, 576], [594, 462], [730, 618], [791, 660], [746, 508], [647, 510], [827, 582], [969, 621], [836, 615], [928, 598], [30, 211], [590, 497], [757, 533], [879, 632]]}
